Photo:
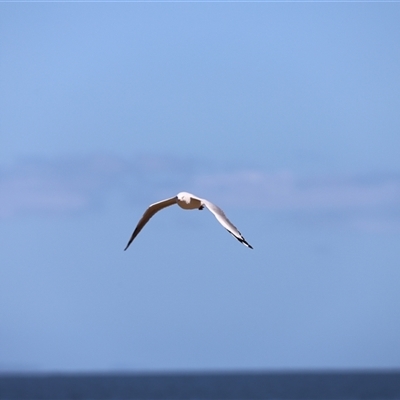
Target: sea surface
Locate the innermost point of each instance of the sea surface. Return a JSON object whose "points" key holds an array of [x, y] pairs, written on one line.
{"points": [[257, 385]]}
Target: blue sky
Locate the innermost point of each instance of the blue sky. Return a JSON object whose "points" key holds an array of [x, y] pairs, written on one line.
{"points": [[283, 114]]}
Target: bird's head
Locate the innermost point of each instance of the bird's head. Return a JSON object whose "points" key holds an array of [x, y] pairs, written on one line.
{"points": [[184, 196]]}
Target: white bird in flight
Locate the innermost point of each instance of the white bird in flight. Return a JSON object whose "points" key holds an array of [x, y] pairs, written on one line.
{"points": [[188, 201]]}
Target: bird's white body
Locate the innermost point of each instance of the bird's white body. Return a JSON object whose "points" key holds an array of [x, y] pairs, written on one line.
{"points": [[188, 201]]}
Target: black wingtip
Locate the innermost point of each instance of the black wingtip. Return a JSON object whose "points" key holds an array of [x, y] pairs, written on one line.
{"points": [[241, 239], [246, 244]]}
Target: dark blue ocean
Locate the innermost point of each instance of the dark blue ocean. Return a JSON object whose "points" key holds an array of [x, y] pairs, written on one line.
{"points": [[261, 385]]}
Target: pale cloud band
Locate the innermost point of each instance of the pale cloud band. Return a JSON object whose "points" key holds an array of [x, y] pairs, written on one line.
{"points": [[79, 184], [285, 191]]}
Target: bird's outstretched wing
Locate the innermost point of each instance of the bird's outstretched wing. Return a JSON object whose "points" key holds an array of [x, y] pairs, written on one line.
{"points": [[224, 221], [153, 208]]}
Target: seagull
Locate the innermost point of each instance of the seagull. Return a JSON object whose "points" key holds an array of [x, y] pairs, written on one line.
{"points": [[188, 201]]}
